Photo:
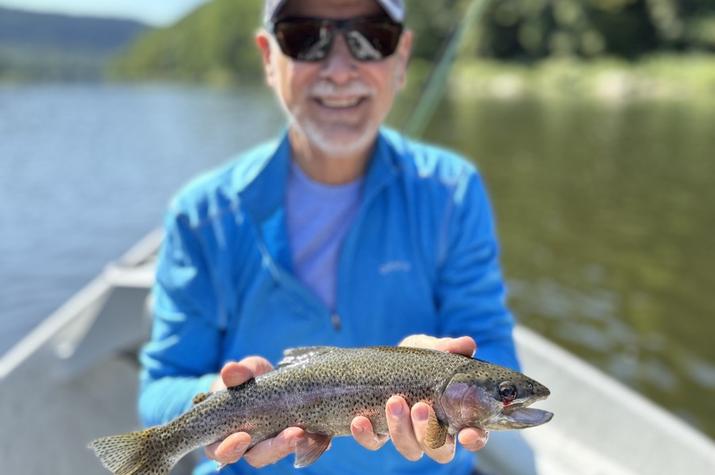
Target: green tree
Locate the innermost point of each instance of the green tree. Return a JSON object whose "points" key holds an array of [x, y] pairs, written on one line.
{"points": [[534, 29], [215, 43]]}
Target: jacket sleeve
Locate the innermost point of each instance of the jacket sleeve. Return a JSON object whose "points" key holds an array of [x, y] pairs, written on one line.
{"points": [[182, 356], [471, 293]]}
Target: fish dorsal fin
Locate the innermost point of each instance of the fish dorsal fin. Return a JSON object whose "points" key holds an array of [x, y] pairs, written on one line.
{"points": [[199, 398], [303, 354], [309, 448]]}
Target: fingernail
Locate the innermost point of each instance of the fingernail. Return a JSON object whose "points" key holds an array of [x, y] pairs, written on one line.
{"points": [[359, 429], [421, 413], [396, 410]]}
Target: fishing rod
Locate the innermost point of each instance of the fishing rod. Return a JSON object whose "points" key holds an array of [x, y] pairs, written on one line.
{"points": [[434, 87]]}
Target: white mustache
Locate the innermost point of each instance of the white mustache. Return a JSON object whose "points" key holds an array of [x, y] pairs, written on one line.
{"points": [[328, 89]]}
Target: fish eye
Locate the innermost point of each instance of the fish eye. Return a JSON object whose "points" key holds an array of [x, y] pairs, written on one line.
{"points": [[507, 391]]}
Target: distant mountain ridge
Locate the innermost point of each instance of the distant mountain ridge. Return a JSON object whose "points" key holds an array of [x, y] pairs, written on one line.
{"points": [[50, 30], [56, 47]]}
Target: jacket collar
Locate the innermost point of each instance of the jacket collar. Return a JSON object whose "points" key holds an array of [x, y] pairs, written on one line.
{"points": [[261, 185], [383, 166], [262, 169]]}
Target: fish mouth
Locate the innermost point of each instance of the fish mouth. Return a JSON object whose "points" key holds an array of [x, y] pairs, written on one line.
{"points": [[523, 417], [518, 416]]}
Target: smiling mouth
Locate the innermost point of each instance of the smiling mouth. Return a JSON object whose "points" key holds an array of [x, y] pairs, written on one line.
{"points": [[339, 103]]}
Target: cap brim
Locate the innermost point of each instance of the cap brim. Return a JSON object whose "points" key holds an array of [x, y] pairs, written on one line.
{"points": [[394, 8]]}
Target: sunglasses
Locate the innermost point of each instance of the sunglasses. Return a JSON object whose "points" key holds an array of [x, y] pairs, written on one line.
{"points": [[310, 39]]}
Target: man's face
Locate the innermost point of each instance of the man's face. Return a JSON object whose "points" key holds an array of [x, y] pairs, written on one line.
{"points": [[337, 104]]}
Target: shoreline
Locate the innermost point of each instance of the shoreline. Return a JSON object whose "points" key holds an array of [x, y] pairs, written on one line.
{"points": [[610, 80], [686, 78]]}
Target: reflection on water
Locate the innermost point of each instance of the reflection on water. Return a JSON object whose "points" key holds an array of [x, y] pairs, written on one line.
{"points": [[606, 217]]}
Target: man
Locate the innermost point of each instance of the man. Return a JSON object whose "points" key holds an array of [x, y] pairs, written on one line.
{"points": [[342, 233]]}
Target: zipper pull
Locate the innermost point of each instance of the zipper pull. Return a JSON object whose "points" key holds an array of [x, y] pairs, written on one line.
{"points": [[337, 321]]}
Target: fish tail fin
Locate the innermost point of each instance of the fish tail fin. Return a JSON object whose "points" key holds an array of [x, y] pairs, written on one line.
{"points": [[135, 453]]}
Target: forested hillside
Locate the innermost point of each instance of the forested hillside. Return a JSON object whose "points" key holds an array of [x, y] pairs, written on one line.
{"points": [[43, 30], [215, 43], [534, 29]]}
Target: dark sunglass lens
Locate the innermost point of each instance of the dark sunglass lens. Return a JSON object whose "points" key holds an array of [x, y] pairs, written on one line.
{"points": [[362, 48], [304, 40], [372, 40]]}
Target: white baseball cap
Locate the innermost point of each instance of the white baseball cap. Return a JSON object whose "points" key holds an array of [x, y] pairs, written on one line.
{"points": [[394, 8]]}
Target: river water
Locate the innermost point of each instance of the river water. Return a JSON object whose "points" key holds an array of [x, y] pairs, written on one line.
{"points": [[85, 171], [606, 213]]}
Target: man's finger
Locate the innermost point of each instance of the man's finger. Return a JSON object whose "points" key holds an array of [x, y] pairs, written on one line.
{"points": [[421, 414], [272, 450], [419, 341], [464, 345], [257, 364], [229, 450], [361, 429], [234, 374], [473, 439], [400, 425]]}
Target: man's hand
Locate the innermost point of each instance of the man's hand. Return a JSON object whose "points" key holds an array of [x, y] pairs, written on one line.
{"points": [[408, 426], [234, 447]]}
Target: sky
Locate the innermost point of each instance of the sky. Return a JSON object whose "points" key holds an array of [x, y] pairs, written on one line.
{"points": [[154, 12]]}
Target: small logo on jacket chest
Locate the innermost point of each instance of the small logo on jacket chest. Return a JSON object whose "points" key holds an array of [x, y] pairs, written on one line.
{"points": [[391, 267]]}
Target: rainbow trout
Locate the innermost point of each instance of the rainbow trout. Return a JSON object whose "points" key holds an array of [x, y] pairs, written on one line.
{"points": [[321, 389]]}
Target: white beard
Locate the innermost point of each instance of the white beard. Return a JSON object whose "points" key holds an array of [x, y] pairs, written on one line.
{"points": [[330, 143]]}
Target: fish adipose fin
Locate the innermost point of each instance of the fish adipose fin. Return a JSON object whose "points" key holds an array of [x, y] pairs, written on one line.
{"points": [[294, 356], [136, 453], [310, 448], [436, 434]]}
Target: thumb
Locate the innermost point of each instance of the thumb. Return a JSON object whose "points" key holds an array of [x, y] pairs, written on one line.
{"points": [[235, 374]]}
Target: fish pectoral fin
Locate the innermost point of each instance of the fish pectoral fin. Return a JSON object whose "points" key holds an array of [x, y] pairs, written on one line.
{"points": [[303, 354], [199, 398], [436, 434], [310, 448]]}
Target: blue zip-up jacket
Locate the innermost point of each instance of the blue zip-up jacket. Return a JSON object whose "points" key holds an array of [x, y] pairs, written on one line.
{"points": [[421, 257]]}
